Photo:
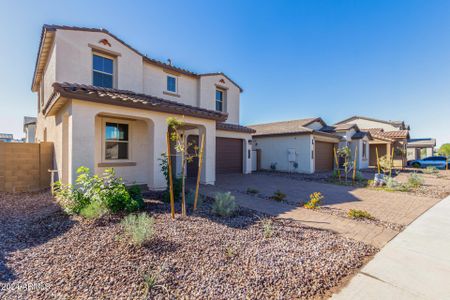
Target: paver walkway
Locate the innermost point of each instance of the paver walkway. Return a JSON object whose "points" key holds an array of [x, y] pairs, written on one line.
{"points": [[414, 265], [368, 233]]}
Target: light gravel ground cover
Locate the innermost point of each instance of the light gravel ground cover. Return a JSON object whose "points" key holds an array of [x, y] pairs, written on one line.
{"points": [[199, 257]]}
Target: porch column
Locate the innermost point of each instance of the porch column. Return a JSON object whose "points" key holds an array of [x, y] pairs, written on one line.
{"points": [[81, 148], [159, 145], [208, 175]]}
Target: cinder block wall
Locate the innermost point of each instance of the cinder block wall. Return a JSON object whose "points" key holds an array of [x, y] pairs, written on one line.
{"points": [[24, 166]]}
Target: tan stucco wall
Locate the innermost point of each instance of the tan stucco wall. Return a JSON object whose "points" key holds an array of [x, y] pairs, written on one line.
{"points": [[148, 142], [70, 60], [232, 95], [274, 149]]}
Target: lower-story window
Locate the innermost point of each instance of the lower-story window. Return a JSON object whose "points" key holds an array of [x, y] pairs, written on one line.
{"points": [[364, 150], [116, 141]]}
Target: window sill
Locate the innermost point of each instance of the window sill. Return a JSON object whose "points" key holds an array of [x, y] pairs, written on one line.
{"points": [[171, 94], [116, 164]]}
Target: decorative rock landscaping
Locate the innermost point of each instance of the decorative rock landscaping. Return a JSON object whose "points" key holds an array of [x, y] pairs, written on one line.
{"points": [[198, 257]]}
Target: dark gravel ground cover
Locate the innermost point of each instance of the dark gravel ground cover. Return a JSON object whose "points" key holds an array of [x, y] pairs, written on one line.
{"points": [[199, 257]]}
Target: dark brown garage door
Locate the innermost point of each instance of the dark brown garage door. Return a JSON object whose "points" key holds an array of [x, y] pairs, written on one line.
{"points": [[324, 156], [228, 156], [382, 150]]}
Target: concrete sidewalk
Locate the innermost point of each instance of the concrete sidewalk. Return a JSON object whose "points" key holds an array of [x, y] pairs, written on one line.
{"points": [[414, 265]]}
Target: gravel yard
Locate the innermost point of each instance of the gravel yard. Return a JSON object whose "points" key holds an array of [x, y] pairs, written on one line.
{"points": [[200, 257]]}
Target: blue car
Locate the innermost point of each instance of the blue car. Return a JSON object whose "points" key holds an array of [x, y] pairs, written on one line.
{"points": [[438, 162]]}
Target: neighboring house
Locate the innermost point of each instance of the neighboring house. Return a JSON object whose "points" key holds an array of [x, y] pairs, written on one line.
{"points": [[420, 148], [29, 128], [104, 104], [357, 140], [386, 135], [306, 145], [6, 137]]}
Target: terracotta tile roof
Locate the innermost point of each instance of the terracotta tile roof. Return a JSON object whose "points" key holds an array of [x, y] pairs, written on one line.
{"points": [[397, 134], [234, 127], [361, 134], [294, 126], [339, 127], [129, 99], [52, 28]]}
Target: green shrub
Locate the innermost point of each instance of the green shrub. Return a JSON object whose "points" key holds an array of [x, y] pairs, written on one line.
{"points": [[224, 204], [359, 214], [252, 191], [415, 180], [177, 182], [267, 228], [278, 195], [138, 228], [314, 200], [106, 191], [190, 197], [93, 210], [359, 176], [393, 185]]}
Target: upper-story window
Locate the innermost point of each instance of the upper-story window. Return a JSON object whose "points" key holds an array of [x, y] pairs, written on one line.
{"points": [[103, 71], [171, 84], [219, 100]]}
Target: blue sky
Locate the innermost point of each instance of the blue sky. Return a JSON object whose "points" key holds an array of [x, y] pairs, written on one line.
{"points": [[294, 59]]}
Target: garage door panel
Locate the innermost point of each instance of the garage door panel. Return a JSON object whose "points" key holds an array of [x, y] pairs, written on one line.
{"points": [[323, 156], [229, 155], [382, 151]]}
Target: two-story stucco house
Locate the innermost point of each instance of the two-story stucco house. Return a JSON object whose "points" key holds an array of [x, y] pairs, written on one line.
{"points": [[104, 104]]}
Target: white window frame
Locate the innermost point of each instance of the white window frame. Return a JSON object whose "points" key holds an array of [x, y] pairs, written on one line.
{"points": [[114, 73], [130, 138], [176, 84], [364, 151], [223, 99]]}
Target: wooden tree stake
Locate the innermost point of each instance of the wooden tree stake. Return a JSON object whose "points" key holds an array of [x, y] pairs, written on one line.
{"points": [[336, 161], [354, 163], [392, 162], [378, 160], [169, 166], [200, 161]]}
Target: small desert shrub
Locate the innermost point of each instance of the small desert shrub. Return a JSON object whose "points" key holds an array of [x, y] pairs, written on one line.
{"points": [[267, 228], [230, 252], [415, 180], [430, 170], [93, 210], [273, 166], [314, 200], [190, 197], [394, 185], [224, 204], [138, 228], [278, 195], [335, 174], [359, 176], [252, 191], [359, 214]]}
